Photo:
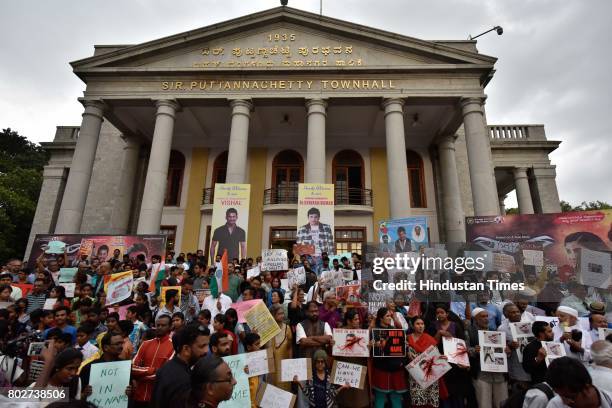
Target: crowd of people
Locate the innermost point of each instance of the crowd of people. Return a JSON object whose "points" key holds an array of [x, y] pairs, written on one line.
{"points": [[176, 343]]}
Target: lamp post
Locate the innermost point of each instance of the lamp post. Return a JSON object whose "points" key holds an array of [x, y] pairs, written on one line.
{"points": [[498, 29]]}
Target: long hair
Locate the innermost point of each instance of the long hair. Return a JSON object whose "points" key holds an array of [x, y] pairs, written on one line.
{"points": [[62, 360]]}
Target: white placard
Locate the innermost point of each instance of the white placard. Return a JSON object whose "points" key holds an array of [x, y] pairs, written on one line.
{"points": [[456, 351], [296, 276], [594, 268], [553, 350], [274, 397], [260, 362], [274, 260], [69, 288], [49, 303], [492, 355], [347, 373], [253, 272], [533, 257], [351, 342], [296, 366]]}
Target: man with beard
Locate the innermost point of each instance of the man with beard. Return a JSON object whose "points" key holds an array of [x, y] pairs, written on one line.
{"points": [[312, 334], [534, 354], [220, 344], [174, 378], [112, 344]]}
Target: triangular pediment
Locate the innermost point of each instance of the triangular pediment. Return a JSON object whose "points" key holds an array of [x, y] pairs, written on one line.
{"points": [[282, 38]]}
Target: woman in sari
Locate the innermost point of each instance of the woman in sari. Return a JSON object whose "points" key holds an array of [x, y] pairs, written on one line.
{"points": [[354, 397], [281, 345], [418, 342]]}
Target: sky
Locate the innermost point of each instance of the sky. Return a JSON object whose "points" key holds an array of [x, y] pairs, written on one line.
{"points": [[553, 67]]}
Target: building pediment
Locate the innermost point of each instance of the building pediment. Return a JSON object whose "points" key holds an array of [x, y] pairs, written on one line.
{"points": [[283, 39]]}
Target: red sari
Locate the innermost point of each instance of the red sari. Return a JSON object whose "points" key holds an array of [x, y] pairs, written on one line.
{"points": [[430, 396]]}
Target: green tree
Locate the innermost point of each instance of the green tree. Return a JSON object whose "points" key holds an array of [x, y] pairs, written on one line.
{"points": [[585, 206], [21, 165]]}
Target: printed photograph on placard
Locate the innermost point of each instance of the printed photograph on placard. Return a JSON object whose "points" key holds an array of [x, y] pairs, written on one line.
{"points": [[403, 234], [456, 351], [315, 217], [230, 221], [428, 367], [553, 350], [493, 358], [351, 342]]}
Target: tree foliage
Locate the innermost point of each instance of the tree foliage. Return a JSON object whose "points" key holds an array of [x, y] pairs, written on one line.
{"points": [[21, 165], [585, 206]]}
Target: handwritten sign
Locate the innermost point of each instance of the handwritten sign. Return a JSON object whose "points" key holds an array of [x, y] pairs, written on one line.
{"points": [[274, 260], [347, 373], [241, 395], [269, 396], [108, 383], [119, 287], [428, 367], [260, 362], [503, 263], [351, 343], [259, 318], [69, 289], [389, 343], [66, 275], [300, 367], [296, 276]]}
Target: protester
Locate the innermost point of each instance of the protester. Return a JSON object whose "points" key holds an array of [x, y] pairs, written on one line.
{"points": [[573, 385], [212, 382]]}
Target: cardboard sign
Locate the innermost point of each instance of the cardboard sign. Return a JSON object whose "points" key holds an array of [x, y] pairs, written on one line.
{"points": [[389, 343], [351, 343], [274, 260], [350, 295], [241, 395], [108, 383], [66, 275], [428, 367], [456, 351], [269, 396], [553, 350], [300, 367], [296, 276], [260, 362], [346, 373], [259, 318], [243, 307], [119, 287], [69, 289], [492, 355]]}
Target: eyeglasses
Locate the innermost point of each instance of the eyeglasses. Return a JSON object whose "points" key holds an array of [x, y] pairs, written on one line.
{"points": [[229, 380]]}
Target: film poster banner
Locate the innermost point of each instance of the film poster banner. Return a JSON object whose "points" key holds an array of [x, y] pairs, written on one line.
{"points": [[561, 236], [119, 287], [241, 395], [456, 351], [492, 356], [260, 319], [403, 234], [108, 383], [315, 217], [351, 343], [347, 373], [105, 247], [389, 343], [428, 367], [230, 220]]}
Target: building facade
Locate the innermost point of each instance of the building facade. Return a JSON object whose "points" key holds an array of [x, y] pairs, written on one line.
{"points": [[277, 98]]}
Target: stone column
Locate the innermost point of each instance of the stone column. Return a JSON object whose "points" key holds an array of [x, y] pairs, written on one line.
{"points": [[79, 177], [484, 189], [502, 205], [239, 141], [454, 216], [544, 189], [157, 172], [315, 150], [523, 195], [397, 168], [120, 217]]}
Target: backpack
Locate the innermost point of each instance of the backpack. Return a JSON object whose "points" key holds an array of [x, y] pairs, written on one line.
{"points": [[516, 400]]}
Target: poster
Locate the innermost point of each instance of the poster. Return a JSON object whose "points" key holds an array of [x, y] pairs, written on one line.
{"points": [[66, 275], [403, 234], [230, 221], [241, 395], [162, 295], [69, 289], [243, 307], [347, 373], [118, 287], [492, 355], [522, 334], [315, 217], [553, 350], [533, 257], [595, 268], [49, 303], [260, 319], [274, 260], [253, 272], [389, 343], [296, 276], [260, 362], [269, 396], [456, 351], [108, 383], [561, 235], [350, 295], [428, 367], [300, 367], [503, 263], [101, 246], [351, 342]]}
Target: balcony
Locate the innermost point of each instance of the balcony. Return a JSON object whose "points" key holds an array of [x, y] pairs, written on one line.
{"points": [[208, 196], [517, 133], [349, 200]]}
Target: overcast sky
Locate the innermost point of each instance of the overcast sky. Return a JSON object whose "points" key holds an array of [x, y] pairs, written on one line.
{"points": [[554, 61]]}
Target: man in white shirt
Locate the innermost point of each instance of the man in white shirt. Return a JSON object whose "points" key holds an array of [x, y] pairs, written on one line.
{"points": [[567, 330], [6, 279], [312, 334], [573, 384], [601, 370], [597, 321], [217, 305]]}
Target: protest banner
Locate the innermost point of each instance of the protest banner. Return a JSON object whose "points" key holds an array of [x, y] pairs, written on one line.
{"points": [[243, 307], [315, 217], [594, 268], [300, 367], [230, 221], [428, 367], [351, 342], [108, 383], [118, 287], [241, 395], [346, 373], [553, 350], [389, 343], [69, 289], [162, 295], [260, 319], [456, 351], [260, 362], [350, 295], [66, 275], [269, 396], [403, 234], [274, 260], [296, 276], [492, 355]]}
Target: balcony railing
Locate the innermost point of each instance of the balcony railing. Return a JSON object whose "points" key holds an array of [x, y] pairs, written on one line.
{"points": [[208, 196], [281, 195], [345, 196], [516, 133]]}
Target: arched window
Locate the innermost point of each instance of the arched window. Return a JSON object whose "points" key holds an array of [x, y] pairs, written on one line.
{"points": [[174, 185], [220, 169], [416, 180], [348, 177], [287, 173]]}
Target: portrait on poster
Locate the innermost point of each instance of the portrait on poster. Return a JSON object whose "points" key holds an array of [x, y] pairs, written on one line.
{"points": [[315, 217], [230, 220]]}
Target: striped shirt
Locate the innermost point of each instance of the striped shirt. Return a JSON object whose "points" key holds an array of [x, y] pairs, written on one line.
{"points": [[35, 301]]}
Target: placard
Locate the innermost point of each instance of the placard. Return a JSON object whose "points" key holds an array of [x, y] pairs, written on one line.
{"points": [[428, 367], [296, 276], [49, 303], [456, 351], [300, 367], [522, 334], [241, 395], [274, 260], [595, 268], [118, 287], [350, 295], [108, 383], [351, 342], [243, 307], [66, 275], [69, 289], [503, 263], [315, 217], [259, 318], [347, 373], [55, 247], [553, 350], [162, 295], [201, 295], [260, 362], [269, 396], [492, 355], [403, 234], [389, 343], [533, 257], [230, 221], [253, 272]]}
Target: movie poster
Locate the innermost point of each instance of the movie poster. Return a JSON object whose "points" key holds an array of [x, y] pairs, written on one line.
{"points": [[403, 234], [230, 221], [562, 236], [315, 217], [104, 247]]}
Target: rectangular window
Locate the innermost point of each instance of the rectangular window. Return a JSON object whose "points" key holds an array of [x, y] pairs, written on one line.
{"points": [[170, 232], [349, 239]]}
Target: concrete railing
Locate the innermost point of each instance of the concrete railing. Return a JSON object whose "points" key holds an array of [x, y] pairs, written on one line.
{"points": [[516, 133]]}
